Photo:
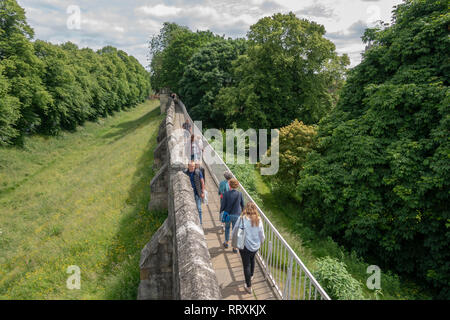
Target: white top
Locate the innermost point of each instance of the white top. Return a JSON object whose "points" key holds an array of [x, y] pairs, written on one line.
{"points": [[197, 148], [254, 236]]}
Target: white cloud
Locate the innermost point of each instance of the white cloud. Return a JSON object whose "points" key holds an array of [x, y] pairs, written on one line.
{"points": [[160, 11], [128, 25]]}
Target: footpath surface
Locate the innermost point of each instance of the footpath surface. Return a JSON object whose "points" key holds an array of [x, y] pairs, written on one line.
{"points": [[226, 264]]}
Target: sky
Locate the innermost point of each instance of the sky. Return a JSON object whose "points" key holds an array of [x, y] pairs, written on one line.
{"points": [[129, 24]]}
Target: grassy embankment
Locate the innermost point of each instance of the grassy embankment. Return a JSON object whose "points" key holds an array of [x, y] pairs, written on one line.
{"points": [[309, 246], [78, 199]]}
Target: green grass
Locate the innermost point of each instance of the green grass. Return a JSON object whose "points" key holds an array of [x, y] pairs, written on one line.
{"points": [[79, 199], [309, 246]]}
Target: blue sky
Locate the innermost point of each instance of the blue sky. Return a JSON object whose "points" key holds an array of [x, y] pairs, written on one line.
{"points": [[128, 25]]}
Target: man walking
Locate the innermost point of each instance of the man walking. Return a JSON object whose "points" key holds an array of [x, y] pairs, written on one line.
{"points": [[198, 185]]}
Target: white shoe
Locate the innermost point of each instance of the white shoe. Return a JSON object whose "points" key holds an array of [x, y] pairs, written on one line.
{"points": [[249, 290]]}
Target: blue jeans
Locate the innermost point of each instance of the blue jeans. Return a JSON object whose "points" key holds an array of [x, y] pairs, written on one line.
{"points": [[232, 222], [198, 201]]}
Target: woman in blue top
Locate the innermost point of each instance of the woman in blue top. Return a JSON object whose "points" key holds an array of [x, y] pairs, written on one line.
{"points": [[254, 237]]}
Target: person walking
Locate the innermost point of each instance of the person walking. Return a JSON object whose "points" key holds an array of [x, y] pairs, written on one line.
{"points": [[224, 186], [232, 205], [254, 237], [193, 147], [187, 131], [197, 148], [198, 166], [188, 127], [198, 185]]}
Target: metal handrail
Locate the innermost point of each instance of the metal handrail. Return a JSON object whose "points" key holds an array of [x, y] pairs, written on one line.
{"points": [[287, 283]]}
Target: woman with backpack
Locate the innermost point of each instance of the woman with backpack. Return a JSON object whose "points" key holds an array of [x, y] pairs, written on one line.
{"points": [[251, 222], [231, 206]]}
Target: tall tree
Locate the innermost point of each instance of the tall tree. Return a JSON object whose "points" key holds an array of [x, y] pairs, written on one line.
{"points": [[158, 43], [45, 87], [21, 67], [208, 71], [171, 51], [182, 47], [9, 112], [288, 72]]}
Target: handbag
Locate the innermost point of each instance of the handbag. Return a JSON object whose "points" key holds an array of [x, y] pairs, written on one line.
{"points": [[205, 199], [238, 236], [225, 217]]}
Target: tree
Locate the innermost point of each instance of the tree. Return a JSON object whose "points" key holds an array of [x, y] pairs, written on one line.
{"points": [[171, 51], [9, 112], [157, 45], [379, 179], [288, 72], [182, 47], [296, 141], [21, 67], [47, 88], [69, 106], [208, 71]]}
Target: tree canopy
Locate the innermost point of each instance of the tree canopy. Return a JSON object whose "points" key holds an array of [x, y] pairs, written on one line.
{"points": [[208, 71], [45, 88], [171, 51], [288, 72]]}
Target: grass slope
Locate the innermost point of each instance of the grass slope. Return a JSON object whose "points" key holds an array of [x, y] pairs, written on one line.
{"points": [[79, 199]]}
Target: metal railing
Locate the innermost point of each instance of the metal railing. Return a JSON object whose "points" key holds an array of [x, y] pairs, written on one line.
{"points": [[288, 275]]}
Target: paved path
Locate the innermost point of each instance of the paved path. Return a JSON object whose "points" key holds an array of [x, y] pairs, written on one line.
{"points": [[227, 265]]}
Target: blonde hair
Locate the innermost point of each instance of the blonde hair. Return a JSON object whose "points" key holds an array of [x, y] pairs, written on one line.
{"points": [[251, 212]]}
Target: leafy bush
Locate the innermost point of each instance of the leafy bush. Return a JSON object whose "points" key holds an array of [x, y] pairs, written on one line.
{"points": [[336, 281], [296, 141], [245, 173]]}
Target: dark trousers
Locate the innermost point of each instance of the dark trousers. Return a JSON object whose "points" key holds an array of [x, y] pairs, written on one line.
{"points": [[248, 260]]}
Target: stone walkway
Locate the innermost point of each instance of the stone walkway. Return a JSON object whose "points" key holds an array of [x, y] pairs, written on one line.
{"points": [[227, 265]]}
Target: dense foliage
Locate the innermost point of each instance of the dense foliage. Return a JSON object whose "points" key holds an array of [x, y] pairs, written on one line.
{"points": [[290, 71], [171, 51], [336, 281], [295, 142], [208, 71], [45, 88], [379, 179], [285, 70]]}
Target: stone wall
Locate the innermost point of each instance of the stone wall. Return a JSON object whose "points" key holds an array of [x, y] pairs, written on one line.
{"points": [[175, 264]]}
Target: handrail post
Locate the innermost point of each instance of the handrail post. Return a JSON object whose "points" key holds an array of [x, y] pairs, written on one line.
{"points": [[287, 285]]}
